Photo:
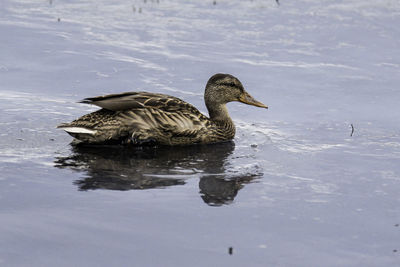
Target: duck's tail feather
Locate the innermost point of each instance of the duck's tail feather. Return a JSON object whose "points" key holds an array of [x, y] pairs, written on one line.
{"points": [[76, 130]]}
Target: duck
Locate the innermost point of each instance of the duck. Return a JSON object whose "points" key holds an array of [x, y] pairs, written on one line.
{"points": [[144, 118]]}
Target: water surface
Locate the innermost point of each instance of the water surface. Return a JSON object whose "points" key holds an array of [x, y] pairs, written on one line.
{"points": [[295, 187]]}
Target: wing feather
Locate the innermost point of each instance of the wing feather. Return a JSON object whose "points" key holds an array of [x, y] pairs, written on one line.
{"points": [[132, 100]]}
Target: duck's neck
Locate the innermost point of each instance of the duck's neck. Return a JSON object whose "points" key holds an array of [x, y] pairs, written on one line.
{"points": [[220, 116], [219, 113], [216, 106]]}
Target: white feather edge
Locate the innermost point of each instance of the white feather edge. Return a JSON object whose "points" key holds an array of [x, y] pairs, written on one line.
{"points": [[78, 130]]}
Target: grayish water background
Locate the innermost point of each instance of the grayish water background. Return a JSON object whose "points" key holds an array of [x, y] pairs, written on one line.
{"points": [[293, 190]]}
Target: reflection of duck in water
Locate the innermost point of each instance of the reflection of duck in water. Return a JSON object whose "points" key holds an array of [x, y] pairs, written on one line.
{"points": [[141, 117], [216, 191], [122, 168]]}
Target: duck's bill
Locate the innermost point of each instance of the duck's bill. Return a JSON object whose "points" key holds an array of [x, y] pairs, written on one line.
{"points": [[248, 99]]}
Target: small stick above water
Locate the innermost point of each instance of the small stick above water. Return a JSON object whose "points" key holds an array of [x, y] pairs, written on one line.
{"points": [[352, 130]]}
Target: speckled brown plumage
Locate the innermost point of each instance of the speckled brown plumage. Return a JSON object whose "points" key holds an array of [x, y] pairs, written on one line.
{"points": [[142, 117]]}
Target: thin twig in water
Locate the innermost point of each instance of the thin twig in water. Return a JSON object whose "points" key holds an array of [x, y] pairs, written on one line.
{"points": [[352, 130], [277, 1]]}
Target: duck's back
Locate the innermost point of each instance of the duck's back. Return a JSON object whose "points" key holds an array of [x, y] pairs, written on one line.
{"points": [[131, 100], [141, 117]]}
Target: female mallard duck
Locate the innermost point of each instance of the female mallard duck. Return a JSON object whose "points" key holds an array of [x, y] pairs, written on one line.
{"points": [[142, 118]]}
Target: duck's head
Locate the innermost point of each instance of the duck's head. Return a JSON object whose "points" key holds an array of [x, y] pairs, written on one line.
{"points": [[224, 88]]}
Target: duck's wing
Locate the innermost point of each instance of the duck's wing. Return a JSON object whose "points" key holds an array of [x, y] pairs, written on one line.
{"points": [[147, 116], [137, 100], [142, 116]]}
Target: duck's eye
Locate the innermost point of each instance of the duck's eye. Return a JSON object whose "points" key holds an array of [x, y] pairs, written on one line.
{"points": [[229, 84]]}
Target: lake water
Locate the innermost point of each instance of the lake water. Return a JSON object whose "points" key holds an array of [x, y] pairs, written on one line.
{"points": [[312, 181]]}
